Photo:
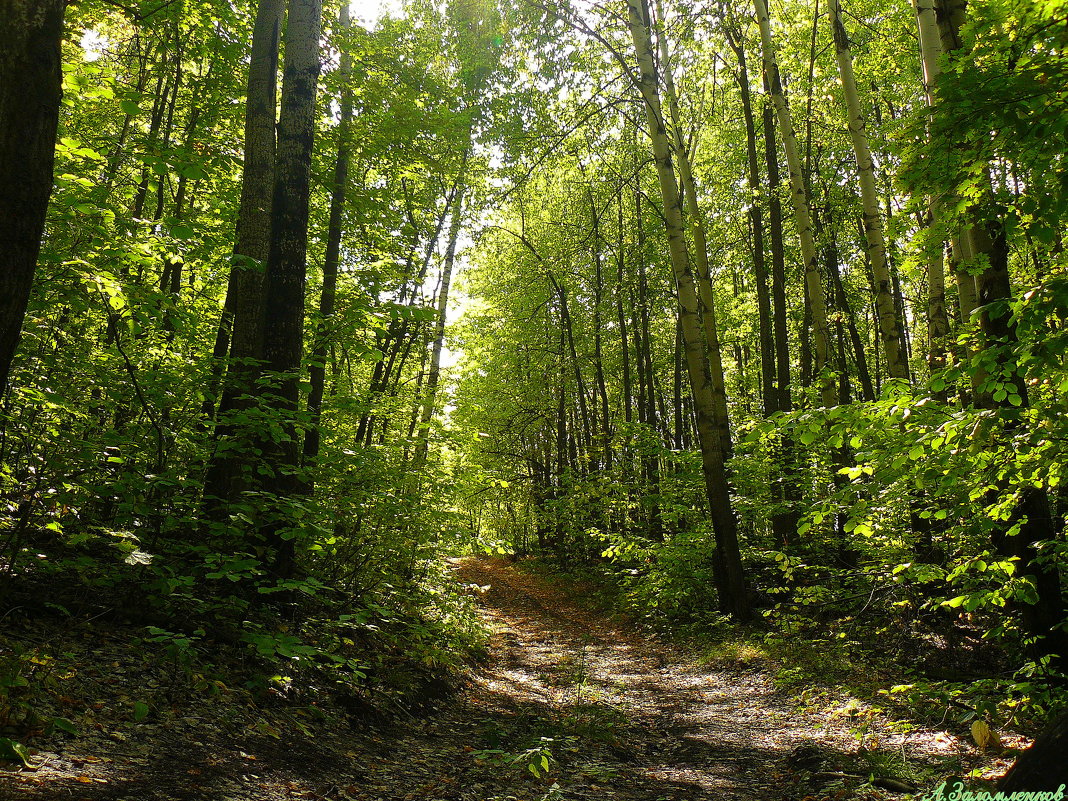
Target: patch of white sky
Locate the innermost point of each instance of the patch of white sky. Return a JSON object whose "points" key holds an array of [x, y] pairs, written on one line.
{"points": [[93, 44], [369, 12]]}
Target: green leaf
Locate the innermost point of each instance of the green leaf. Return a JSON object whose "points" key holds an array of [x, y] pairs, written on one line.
{"points": [[181, 231], [65, 725], [138, 557], [140, 711], [14, 751], [130, 107]]}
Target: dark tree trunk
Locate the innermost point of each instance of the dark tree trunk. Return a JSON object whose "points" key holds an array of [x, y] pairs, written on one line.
{"points": [[237, 341], [624, 345], [784, 522], [778, 266], [1043, 618], [426, 410], [30, 90], [253, 233], [283, 339], [317, 369], [1042, 767]]}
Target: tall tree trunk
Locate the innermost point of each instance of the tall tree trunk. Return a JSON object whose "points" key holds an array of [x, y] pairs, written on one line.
{"points": [[931, 50], [603, 430], [643, 351], [730, 576], [889, 324], [693, 214], [283, 339], [937, 318], [766, 336], [1031, 522], [238, 338], [434, 373], [624, 343], [30, 90], [332, 259], [785, 521], [244, 293], [778, 266], [817, 303], [850, 320], [583, 434]]}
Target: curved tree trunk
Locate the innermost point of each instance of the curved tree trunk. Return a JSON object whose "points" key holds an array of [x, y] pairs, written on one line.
{"points": [[730, 576]]}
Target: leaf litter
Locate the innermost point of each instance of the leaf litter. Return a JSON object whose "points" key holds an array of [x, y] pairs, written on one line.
{"points": [[566, 705]]}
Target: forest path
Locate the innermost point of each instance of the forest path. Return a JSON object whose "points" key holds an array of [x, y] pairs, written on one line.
{"points": [[616, 714], [598, 709]]}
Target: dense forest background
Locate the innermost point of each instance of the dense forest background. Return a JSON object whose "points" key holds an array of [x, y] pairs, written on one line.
{"points": [[760, 313]]}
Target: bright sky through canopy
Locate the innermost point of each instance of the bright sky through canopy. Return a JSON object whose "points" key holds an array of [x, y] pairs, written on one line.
{"points": [[371, 11]]}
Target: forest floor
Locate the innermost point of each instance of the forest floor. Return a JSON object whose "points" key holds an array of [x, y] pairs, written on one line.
{"points": [[568, 705]]}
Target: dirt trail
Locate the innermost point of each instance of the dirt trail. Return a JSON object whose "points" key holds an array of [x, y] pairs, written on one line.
{"points": [[567, 707], [616, 715]]}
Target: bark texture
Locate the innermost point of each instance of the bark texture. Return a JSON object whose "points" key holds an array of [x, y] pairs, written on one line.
{"points": [[238, 341], [692, 208], [332, 260], [730, 577], [888, 323], [30, 90], [283, 340], [817, 303]]}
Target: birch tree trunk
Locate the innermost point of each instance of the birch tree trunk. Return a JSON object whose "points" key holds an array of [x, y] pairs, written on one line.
{"points": [[700, 246], [729, 574], [888, 323], [931, 49], [821, 340]]}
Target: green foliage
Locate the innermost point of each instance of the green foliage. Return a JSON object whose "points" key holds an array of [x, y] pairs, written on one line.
{"points": [[538, 760], [567, 427]]}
